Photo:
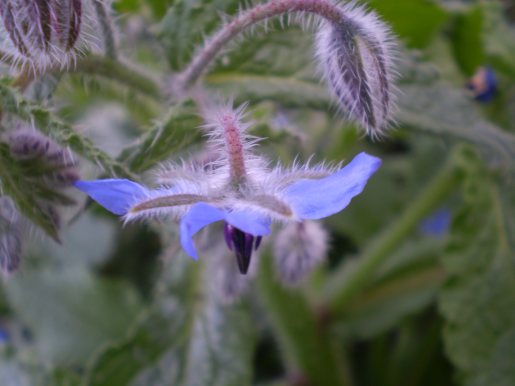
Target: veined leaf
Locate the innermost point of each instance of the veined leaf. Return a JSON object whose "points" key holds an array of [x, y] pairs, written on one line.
{"points": [[64, 134], [187, 22], [179, 129], [34, 200], [409, 285], [478, 300], [444, 110], [499, 38], [188, 338], [70, 312]]}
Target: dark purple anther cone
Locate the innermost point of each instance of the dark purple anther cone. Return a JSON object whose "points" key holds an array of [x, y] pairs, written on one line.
{"points": [[242, 244]]}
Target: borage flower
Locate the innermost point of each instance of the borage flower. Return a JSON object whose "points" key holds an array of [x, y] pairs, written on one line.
{"points": [[238, 188]]}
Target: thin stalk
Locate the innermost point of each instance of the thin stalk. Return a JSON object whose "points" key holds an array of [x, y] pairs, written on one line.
{"points": [[345, 283], [323, 8]]}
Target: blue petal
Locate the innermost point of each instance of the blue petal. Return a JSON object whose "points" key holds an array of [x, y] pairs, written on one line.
{"points": [[249, 222], [115, 195], [315, 199], [202, 214], [198, 217]]}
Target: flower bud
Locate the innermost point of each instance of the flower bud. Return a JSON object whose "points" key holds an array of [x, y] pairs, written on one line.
{"points": [[356, 58], [45, 33], [55, 165], [47, 169], [299, 248]]}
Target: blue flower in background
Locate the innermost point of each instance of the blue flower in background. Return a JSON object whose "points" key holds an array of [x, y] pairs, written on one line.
{"points": [[4, 335], [483, 84], [238, 188], [437, 224]]}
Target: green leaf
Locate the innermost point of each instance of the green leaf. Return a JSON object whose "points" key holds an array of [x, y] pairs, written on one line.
{"points": [[70, 312], [415, 21], [12, 102], [33, 198], [478, 300], [179, 130], [441, 109], [186, 23], [499, 38], [261, 69], [467, 40], [409, 284], [188, 338]]}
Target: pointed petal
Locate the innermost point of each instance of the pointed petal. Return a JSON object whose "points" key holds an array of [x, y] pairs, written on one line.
{"points": [[116, 195], [316, 199], [199, 216], [249, 222]]}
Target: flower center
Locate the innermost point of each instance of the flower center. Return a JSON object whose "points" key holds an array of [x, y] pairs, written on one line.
{"points": [[242, 244]]}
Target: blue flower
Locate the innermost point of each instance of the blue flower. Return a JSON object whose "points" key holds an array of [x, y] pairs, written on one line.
{"points": [[483, 84], [436, 224], [238, 189]]}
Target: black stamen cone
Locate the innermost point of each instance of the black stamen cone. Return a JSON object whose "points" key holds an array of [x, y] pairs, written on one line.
{"points": [[242, 244]]}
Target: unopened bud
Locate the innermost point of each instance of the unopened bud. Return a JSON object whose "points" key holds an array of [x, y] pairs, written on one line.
{"points": [[45, 33], [51, 162], [47, 169], [299, 248], [356, 57]]}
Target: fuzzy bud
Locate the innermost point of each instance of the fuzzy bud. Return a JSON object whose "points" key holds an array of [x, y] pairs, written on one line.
{"points": [[299, 248], [47, 170], [10, 236], [45, 33], [55, 165], [356, 58]]}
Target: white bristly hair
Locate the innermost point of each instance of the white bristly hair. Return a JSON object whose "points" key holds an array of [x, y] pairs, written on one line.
{"points": [[357, 59]]}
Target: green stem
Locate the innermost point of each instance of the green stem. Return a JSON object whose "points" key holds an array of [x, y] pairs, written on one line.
{"points": [[98, 65], [304, 340], [347, 281]]}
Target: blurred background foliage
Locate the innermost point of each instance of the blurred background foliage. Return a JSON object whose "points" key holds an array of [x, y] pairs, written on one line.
{"points": [[398, 302]]}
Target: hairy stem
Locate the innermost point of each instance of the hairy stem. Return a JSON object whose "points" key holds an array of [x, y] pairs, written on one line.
{"points": [[345, 283], [234, 146], [323, 8], [105, 21]]}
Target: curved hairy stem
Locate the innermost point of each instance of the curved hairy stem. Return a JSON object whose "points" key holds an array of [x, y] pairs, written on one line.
{"points": [[323, 8]]}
